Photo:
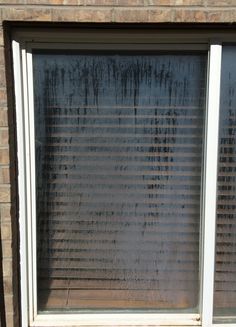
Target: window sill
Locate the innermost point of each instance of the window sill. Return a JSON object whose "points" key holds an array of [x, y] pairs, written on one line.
{"points": [[117, 319]]}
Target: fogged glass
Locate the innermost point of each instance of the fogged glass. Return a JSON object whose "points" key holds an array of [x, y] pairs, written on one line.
{"points": [[225, 268], [118, 161]]}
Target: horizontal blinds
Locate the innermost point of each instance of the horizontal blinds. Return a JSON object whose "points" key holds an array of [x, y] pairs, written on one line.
{"points": [[118, 161], [225, 269]]}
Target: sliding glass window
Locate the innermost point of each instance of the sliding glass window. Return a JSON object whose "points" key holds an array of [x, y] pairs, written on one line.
{"points": [[119, 143]]}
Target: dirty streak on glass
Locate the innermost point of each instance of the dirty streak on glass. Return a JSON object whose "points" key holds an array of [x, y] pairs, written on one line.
{"points": [[118, 160], [225, 269]]}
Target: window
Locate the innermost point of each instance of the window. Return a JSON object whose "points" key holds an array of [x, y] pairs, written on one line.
{"points": [[120, 205], [225, 277]]}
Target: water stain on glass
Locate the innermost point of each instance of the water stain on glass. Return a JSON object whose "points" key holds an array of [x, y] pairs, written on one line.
{"points": [[118, 162]]}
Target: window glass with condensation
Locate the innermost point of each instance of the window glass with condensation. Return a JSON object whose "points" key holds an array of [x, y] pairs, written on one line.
{"points": [[225, 264], [119, 142]]}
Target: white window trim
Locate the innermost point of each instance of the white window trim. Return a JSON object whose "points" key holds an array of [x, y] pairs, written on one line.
{"points": [[22, 45], [210, 182]]}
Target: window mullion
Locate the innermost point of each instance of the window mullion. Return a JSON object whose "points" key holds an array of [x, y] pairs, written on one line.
{"points": [[210, 183]]}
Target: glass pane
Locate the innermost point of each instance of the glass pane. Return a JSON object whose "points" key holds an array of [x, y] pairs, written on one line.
{"points": [[118, 160], [225, 269]]}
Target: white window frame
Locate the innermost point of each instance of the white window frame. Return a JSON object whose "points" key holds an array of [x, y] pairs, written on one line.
{"points": [[23, 43]]}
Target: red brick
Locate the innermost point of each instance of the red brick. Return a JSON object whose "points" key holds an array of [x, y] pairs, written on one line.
{"points": [[125, 3], [190, 16], [131, 15], [3, 117], [130, 2], [220, 16], [1, 32], [13, 14], [188, 2], [5, 212], [5, 193], [38, 15], [10, 317], [224, 3], [73, 2], [6, 231], [100, 2], [44, 2], [8, 299], [233, 16], [3, 136], [63, 15], [30, 14], [7, 267], [4, 175], [2, 79], [2, 59], [7, 284], [158, 15], [176, 2], [200, 16], [12, 2], [7, 250], [95, 16], [3, 96]]}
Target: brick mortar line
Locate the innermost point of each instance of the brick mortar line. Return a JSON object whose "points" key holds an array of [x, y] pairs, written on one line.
{"points": [[119, 8], [90, 7], [138, 8]]}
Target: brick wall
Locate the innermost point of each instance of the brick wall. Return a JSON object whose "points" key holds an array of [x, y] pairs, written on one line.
{"points": [[117, 11]]}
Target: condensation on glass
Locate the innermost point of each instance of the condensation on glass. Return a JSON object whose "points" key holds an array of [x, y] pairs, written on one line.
{"points": [[225, 264], [118, 173]]}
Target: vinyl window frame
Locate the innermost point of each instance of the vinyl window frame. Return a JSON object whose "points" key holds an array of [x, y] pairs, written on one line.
{"points": [[22, 45]]}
